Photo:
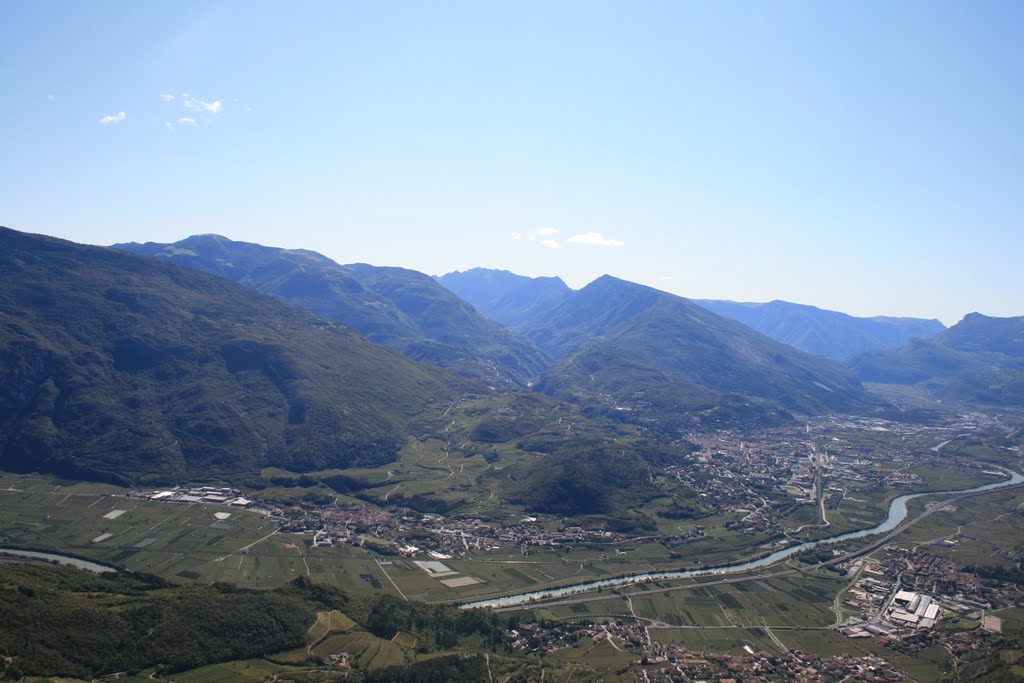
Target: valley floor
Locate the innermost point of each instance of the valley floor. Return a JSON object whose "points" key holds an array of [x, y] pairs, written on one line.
{"points": [[804, 613]]}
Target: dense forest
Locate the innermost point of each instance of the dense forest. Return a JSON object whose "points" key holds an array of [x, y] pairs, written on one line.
{"points": [[59, 621]]}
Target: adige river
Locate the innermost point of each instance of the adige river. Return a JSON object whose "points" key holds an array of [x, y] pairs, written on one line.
{"points": [[58, 558], [897, 514]]}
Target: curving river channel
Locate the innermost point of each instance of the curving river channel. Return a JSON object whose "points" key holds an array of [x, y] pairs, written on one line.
{"points": [[59, 559], [897, 514]]}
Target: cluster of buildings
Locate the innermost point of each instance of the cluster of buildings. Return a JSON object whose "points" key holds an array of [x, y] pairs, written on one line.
{"points": [[964, 591], [924, 589], [957, 643], [914, 610], [401, 531], [409, 533], [330, 524], [669, 663], [761, 476], [547, 637], [885, 610], [216, 495], [675, 664]]}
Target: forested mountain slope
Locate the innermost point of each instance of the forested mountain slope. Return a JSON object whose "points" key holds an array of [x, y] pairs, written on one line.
{"points": [[126, 368]]}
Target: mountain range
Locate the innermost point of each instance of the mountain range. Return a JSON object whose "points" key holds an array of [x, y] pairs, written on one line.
{"points": [[631, 346], [627, 345], [635, 343], [515, 301], [401, 308], [822, 332], [125, 368], [129, 367], [978, 360], [620, 343]]}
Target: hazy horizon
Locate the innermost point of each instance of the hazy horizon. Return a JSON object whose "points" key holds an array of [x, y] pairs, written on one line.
{"points": [[572, 284], [861, 158], [581, 284]]}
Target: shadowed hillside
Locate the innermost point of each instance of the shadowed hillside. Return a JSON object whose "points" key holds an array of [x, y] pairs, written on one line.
{"points": [[121, 367]]}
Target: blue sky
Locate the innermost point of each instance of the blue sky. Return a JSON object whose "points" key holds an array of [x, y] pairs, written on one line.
{"points": [[866, 157]]}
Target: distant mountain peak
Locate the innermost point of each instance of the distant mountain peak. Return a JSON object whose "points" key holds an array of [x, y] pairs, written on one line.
{"points": [[611, 280], [503, 296], [645, 347]]}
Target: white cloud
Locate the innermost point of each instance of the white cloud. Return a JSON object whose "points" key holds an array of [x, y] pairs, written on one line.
{"points": [[113, 118], [196, 104], [191, 103], [542, 236], [594, 239]]}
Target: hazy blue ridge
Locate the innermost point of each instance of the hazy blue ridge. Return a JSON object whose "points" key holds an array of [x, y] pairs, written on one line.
{"points": [[978, 360], [401, 308], [510, 299], [831, 334]]}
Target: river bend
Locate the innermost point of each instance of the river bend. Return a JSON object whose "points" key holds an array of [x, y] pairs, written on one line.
{"points": [[897, 514]]}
